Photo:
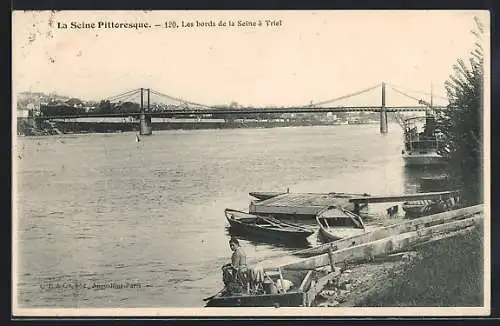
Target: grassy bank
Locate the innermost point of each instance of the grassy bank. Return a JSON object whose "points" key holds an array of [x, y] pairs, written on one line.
{"points": [[450, 274]]}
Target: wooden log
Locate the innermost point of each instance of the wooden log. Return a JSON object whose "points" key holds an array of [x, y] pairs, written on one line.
{"points": [[442, 236], [282, 283], [330, 257], [313, 291], [394, 229], [306, 281], [381, 247]]}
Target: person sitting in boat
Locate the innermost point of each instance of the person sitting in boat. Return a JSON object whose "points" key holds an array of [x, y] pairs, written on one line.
{"points": [[234, 274]]}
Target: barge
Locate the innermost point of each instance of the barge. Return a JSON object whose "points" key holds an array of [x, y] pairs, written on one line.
{"points": [[300, 205]]}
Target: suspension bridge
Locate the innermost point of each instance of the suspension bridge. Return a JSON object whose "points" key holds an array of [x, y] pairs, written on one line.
{"points": [[145, 103]]}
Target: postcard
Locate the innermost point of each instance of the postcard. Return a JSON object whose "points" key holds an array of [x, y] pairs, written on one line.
{"points": [[251, 163]]}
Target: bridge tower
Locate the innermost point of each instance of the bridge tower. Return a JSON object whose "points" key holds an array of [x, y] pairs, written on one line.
{"points": [[383, 113], [145, 125]]}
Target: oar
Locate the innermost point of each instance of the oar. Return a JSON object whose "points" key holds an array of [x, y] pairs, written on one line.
{"points": [[282, 224], [213, 296], [270, 221], [302, 227]]}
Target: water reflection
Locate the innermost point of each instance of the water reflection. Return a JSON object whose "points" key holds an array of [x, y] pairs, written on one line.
{"points": [[413, 176]]}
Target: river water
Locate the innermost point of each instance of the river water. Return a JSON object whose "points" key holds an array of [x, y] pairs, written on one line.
{"points": [[148, 216]]}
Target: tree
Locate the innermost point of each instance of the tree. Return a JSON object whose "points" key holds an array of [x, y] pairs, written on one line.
{"points": [[128, 107], [105, 107], [461, 121]]}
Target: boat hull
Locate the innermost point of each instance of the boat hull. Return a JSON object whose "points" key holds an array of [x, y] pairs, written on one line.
{"points": [[414, 210], [291, 299], [333, 232], [340, 234], [272, 234], [426, 207], [423, 159], [288, 232]]}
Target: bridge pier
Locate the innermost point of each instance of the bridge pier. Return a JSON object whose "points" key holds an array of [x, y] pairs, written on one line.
{"points": [[383, 121], [383, 113], [145, 125]]}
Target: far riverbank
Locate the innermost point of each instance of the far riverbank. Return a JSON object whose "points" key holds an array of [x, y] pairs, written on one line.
{"points": [[116, 125]]}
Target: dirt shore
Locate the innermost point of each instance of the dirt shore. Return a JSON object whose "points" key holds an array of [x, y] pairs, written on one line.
{"points": [[448, 272]]}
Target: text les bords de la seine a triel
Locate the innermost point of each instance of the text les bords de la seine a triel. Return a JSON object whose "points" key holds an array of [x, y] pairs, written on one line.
{"points": [[169, 24]]}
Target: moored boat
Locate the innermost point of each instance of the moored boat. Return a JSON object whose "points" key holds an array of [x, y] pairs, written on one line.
{"points": [[419, 207], [265, 226], [422, 141], [416, 208], [300, 205], [337, 223], [276, 287], [426, 157]]}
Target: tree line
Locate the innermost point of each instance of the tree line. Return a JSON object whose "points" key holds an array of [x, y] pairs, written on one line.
{"points": [[104, 107], [461, 122]]}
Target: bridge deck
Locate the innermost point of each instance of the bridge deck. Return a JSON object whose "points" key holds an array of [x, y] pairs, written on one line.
{"points": [[225, 112]]}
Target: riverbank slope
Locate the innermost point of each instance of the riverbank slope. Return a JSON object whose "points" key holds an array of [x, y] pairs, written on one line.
{"points": [[445, 273]]}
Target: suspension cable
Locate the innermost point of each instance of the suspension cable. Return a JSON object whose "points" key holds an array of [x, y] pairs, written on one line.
{"points": [[415, 91], [115, 97], [163, 97], [159, 98], [420, 101], [126, 98], [343, 97], [180, 100]]}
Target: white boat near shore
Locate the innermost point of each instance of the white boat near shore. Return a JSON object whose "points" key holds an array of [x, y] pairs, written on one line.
{"points": [[423, 158], [337, 223], [422, 141]]}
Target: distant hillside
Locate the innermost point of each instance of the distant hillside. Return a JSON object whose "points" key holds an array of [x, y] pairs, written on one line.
{"points": [[37, 98]]}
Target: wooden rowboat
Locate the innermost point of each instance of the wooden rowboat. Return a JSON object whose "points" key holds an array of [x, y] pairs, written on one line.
{"points": [[265, 226], [306, 284], [337, 223], [418, 208]]}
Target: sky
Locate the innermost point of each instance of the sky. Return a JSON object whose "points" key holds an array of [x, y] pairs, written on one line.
{"points": [[312, 56]]}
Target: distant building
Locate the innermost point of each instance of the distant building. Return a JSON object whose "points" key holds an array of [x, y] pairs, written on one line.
{"points": [[23, 113]]}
